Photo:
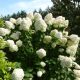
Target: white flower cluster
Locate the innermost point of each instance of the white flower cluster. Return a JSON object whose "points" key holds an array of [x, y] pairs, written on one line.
{"points": [[41, 53], [77, 74], [30, 15], [43, 64], [56, 33], [15, 35], [40, 25], [60, 22], [12, 46], [49, 19], [60, 38], [18, 21], [72, 45], [13, 20], [65, 61], [25, 24], [57, 22], [19, 43], [47, 39], [40, 73], [9, 25], [37, 16], [17, 74], [4, 32]]}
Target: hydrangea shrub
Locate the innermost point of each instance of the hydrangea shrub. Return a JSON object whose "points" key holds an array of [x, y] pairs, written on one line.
{"points": [[43, 48]]}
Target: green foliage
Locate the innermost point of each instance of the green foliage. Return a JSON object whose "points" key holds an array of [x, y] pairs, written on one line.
{"points": [[5, 67], [1, 22], [2, 43]]}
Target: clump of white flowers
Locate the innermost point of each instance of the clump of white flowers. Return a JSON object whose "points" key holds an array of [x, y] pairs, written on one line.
{"points": [[12, 46], [13, 20], [4, 32], [76, 73], [17, 74], [72, 44], [47, 39], [49, 19], [53, 32], [71, 50], [40, 25], [25, 24], [39, 73], [9, 25], [30, 15], [19, 43], [60, 22], [65, 61], [41, 53], [63, 41], [56, 33], [18, 21], [15, 35], [37, 16], [43, 64]]}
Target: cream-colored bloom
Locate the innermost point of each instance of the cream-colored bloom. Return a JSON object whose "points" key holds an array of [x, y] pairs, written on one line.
{"points": [[39, 73], [71, 50], [76, 73], [65, 61], [58, 35], [37, 16], [40, 25], [13, 20], [12, 46], [19, 43], [15, 35], [43, 64], [18, 21], [4, 32], [49, 19], [30, 15], [74, 38], [9, 25], [63, 41], [53, 32], [60, 22], [17, 74], [25, 24], [47, 39], [41, 53], [60, 18], [66, 23]]}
